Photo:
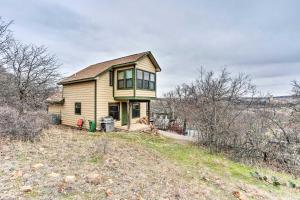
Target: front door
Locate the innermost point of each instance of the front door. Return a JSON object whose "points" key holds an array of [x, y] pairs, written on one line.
{"points": [[124, 113]]}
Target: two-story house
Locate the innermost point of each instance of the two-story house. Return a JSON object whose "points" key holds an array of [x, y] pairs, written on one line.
{"points": [[121, 88]]}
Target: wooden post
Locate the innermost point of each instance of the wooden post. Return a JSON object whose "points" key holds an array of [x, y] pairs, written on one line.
{"points": [[128, 114], [148, 109]]}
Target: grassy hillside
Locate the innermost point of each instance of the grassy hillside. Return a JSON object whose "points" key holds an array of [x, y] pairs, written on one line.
{"points": [[71, 164], [217, 171]]}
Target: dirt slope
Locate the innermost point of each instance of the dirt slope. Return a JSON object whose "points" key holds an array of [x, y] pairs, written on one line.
{"points": [[69, 164]]}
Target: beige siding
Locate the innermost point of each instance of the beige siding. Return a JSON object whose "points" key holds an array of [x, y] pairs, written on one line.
{"points": [[145, 64], [54, 108], [124, 92], [104, 96], [143, 109], [78, 92]]}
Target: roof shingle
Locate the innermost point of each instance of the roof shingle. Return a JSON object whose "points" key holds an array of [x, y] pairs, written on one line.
{"points": [[94, 70]]}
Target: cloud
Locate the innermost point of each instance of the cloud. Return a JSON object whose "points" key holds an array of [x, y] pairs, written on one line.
{"points": [[260, 38]]}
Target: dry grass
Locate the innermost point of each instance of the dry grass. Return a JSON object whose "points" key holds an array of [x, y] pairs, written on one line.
{"points": [[129, 165]]}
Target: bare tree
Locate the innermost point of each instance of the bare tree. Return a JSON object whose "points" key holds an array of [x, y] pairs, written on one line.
{"points": [[296, 88], [28, 75], [7, 87], [5, 37], [34, 73], [212, 104]]}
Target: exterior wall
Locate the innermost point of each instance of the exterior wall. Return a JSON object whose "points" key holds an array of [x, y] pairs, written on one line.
{"points": [[143, 109], [78, 92], [122, 92], [104, 96], [54, 108], [145, 64]]}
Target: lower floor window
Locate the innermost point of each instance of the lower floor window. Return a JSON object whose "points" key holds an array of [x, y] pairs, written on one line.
{"points": [[136, 110], [77, 108], [114, 110]]}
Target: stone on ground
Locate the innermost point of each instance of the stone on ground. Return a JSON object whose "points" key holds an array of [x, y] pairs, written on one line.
{"points": [[70, 179], [26, 188]]}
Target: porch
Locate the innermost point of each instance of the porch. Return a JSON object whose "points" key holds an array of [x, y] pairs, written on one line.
{"points": [[131, 112]]}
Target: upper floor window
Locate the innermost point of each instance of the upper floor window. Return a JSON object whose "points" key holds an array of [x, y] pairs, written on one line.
{"points": [[77, 108], [111, 78], [145, 80], [125, 79]]}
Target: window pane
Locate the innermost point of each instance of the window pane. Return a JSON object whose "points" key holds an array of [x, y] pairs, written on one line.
{"points": [[113, 111], [140, 84], [146, 84], [120, 75], [120, 83], [129, 73], [152, 77], [111, 78], [151, 85], [146, 76], [128, 83], [77, 108], [139, 74], [135, 110]]}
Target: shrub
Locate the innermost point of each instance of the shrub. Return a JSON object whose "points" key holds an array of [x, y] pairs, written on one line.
{"points": [[24, 127]]}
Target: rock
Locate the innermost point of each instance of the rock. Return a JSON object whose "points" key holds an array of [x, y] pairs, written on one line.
{"points": [[26, 175], [140, 197], [70, 179], [37, 166], [112, 162], [94, 179], [238, 195], [108, 193], [54, 175], [110, 181], [26, 188], [18, 173]]}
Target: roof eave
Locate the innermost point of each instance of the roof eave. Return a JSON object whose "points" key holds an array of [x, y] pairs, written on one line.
{"points": [[76, 81]]}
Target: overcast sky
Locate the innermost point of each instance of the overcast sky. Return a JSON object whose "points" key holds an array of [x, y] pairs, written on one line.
{"points": [[260, 38]]}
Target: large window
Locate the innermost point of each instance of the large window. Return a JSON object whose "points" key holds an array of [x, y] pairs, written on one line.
{"points": [[125, 80], [139, 77], [145, 80], [136, 110], [77, 108], [114, 110]]}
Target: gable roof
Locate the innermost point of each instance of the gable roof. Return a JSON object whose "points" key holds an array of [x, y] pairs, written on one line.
{"points": [[90, 72]]}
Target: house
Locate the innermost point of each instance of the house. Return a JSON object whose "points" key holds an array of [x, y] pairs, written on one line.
{"points": [[121, 88]]}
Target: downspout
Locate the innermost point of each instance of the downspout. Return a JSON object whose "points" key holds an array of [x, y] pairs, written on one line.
{"points": [[95, 114]]}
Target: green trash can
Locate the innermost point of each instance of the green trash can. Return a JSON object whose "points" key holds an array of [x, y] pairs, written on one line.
{"points": [[92, 127]]}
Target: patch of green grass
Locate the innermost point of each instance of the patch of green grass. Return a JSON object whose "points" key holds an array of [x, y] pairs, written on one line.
{"points": [[96, 159], [32, 195], [195, 158], [68, 196], [22, 157]]}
